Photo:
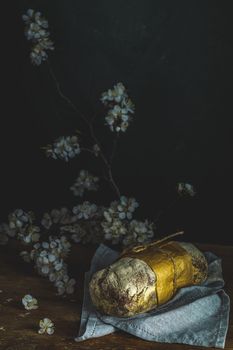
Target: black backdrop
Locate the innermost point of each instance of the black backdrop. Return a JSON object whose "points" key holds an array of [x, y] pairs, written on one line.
{"points": [[175, 57]]}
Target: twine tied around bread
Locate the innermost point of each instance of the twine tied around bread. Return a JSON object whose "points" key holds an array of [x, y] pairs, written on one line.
{"points": [[171, 264]]}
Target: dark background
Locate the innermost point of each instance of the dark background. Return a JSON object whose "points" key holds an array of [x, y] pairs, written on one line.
{"points": [[176, 59]]}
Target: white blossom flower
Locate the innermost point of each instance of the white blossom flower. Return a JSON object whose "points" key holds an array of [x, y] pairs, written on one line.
{"points": [[49, 258], [29, 302], [38, 53], [114, 230], [85, 211], [85, 181], [59, 246], [29, 234], [36, 31], [86, 231], [56, 275], [122, 209], [64, 148], [57, 216], [46, 221], [138, 232], [65, 285], [120, 106], [118, 119], [185, 189], [19, 218], [128, 105], [28, 16], [36, 25], [6, 231], [126, 207], [117, 94], [76, 230], [117, 218], [20, 225], [46, 326]]}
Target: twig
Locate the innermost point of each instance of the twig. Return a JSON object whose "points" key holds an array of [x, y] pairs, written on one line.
{"points": [[87, 150], [167, 237], [104, 159], [89, 123], [64, 97], [114, 148], [141, 247]]}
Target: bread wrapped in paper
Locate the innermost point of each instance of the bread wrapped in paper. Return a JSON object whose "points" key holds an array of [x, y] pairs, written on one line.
{"points": [[145, 277]]}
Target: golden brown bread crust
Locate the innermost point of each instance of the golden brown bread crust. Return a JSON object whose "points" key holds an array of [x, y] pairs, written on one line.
{"points": [[200, 266], [124, 288]]}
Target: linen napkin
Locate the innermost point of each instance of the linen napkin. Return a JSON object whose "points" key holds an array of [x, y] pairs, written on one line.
{"points": [[196, 315]]}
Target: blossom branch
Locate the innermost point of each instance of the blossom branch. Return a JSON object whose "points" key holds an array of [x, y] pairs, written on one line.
{"points": [[88, 221], [64, 97], [115, 142], [91, 129], [87, 150]]}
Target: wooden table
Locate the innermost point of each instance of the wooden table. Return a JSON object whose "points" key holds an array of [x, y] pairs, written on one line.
{"points": [[18, 327]]}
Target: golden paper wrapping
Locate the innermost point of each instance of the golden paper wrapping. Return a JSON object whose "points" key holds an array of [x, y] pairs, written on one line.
{"points": [[171, 264]]}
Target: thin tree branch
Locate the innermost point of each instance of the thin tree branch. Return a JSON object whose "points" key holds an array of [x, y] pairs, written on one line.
{"points": [[87, 150], [89, 123], [115, 142], [167, 238], [64, 97], [139, 248]]}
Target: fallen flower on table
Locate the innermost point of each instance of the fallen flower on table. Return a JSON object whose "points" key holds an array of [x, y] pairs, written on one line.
{"points": [[29, 302], [46, 326]]}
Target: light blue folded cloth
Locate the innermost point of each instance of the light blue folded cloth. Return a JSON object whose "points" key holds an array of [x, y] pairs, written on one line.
{"points": [[197, 315]]}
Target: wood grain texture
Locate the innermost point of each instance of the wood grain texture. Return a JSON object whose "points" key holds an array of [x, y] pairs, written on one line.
{"points": [[18, 329]]}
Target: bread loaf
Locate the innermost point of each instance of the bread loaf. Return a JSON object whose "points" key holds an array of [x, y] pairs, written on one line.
{"points": [[145, 277]]}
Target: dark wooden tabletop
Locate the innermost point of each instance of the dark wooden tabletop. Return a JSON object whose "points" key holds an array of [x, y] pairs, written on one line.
{"points": [[19, 328]]}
